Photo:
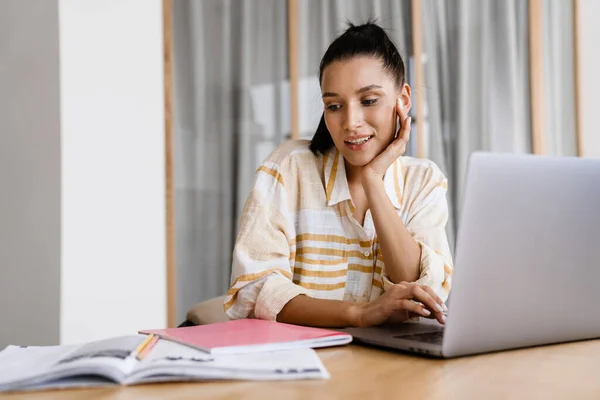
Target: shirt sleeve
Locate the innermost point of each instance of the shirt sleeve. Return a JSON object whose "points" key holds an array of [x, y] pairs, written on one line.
{"points": [[261, 277], [426, 221]]}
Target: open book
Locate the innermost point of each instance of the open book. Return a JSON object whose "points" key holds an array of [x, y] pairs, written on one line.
{"points": [[251, 335], [127, 360]]}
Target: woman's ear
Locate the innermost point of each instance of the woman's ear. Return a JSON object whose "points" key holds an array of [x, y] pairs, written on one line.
{"points": [[404, 96]]}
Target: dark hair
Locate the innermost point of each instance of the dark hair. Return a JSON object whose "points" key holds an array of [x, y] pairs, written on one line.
{"points": [[358, 40]]}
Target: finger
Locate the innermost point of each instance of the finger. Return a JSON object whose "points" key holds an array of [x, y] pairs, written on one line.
{"points": [[435, 297], [404, 133], [413, 315], [401, 111], [401, 115], [429, 302], [395, 149], [419, 294], [413, 307], [440, 316]]}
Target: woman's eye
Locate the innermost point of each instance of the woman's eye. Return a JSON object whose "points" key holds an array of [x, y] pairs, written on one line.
{"points": [[369, 102], [333, 107]]}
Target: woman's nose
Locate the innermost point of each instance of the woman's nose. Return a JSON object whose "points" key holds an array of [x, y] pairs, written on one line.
{"points": [[353, 117]]}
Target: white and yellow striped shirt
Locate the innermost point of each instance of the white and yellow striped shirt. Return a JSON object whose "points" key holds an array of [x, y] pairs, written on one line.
{"points": [[298, 234]]}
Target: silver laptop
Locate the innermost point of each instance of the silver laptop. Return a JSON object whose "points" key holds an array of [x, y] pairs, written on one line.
{"points": [[527, 262]]}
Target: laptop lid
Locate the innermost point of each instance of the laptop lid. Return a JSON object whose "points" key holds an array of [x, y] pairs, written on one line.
{"points": [[528, 254]]}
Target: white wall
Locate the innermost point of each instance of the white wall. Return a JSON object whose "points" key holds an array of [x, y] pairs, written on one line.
{"points": [[589, 75], [113, 183], [29, 173]]}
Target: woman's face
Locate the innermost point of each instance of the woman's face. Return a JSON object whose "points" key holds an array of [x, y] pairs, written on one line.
{"points": [[359, 99]]}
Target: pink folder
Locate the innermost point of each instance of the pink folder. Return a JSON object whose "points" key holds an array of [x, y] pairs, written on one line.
{"points": [[251, 335]]}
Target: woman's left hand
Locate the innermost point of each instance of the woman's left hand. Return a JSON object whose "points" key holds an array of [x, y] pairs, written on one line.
{"points": [[376, 168]]}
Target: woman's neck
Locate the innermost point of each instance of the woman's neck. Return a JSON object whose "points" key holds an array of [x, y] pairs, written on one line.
{"points": [[353, 174]]}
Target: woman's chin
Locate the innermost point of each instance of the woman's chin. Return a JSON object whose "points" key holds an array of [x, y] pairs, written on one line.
{"points": [[362, 157], [357, 160]]}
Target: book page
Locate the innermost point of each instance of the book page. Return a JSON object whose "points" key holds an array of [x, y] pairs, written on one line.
{"points": [[118, 348], [171, 361], [112, 357], [37, 365], [167, 353], [85, 381], [22, 363]]}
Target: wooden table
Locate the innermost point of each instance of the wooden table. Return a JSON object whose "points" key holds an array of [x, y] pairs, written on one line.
{"points": [[567, 371]]}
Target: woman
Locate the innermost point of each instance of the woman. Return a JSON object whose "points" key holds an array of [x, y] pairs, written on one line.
{"points": [[343, 231]]}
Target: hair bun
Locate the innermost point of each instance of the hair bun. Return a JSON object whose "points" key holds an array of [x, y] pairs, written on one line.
{"points": [[370, 28]]}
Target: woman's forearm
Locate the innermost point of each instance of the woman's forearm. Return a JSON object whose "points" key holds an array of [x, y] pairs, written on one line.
{"points": [[308, 311], [401, 252]]}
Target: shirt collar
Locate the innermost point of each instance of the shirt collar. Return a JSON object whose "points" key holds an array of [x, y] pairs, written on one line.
{"points": [[336, 184]]}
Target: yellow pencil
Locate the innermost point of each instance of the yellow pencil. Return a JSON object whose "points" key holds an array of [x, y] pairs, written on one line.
{"points": [[142, 345], [148, 348]]}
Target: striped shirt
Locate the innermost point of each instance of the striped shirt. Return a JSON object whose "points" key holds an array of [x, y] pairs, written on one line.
{"points": [[298, 234]]}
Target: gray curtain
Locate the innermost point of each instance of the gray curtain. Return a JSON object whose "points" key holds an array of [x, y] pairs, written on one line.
{"points": [[440, 47], [559, 78], [477, 82], [477, 78], [225, 52]]}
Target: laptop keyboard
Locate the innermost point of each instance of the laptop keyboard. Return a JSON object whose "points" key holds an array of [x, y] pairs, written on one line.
{"points": [[427, 337]]}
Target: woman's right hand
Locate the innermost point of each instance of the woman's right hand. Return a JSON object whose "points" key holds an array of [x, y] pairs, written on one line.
{"points": [[399, 303]]}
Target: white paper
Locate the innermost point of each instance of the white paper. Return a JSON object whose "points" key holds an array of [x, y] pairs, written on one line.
{"points": [[173, 359], [18, 363], [38, 365], [110, 362]]}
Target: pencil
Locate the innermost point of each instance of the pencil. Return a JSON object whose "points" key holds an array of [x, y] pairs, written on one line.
{"points": [[142, 345], [147, 349]]}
